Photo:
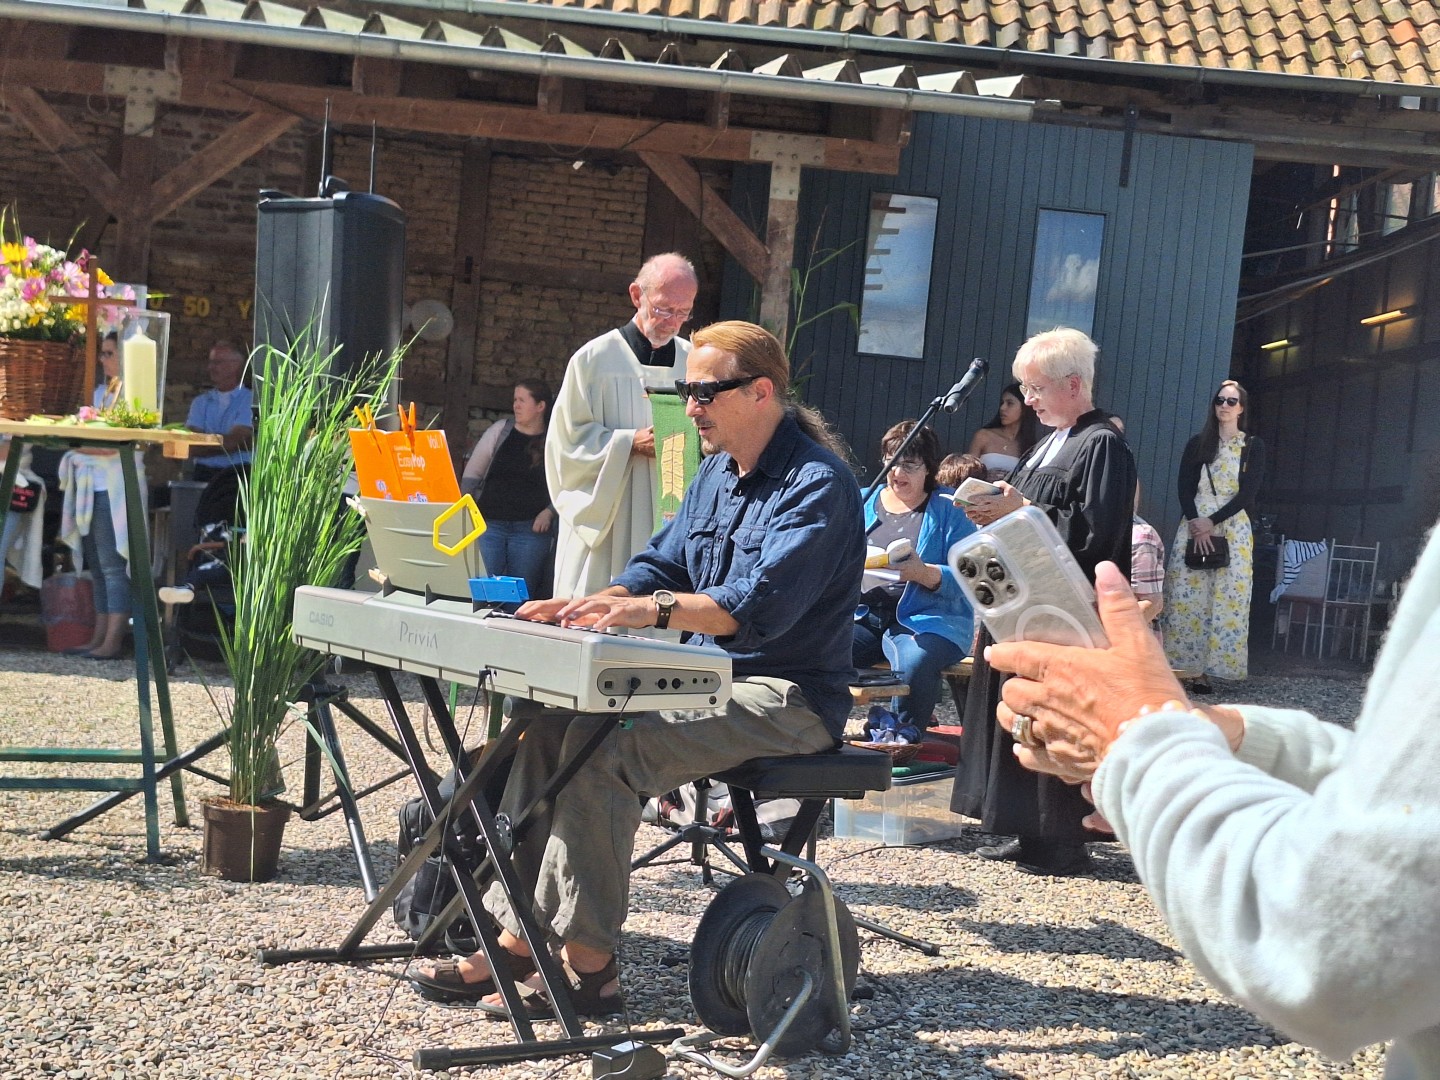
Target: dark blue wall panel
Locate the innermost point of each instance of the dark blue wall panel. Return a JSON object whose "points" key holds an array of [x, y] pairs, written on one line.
{"points": [[1168, 277]]}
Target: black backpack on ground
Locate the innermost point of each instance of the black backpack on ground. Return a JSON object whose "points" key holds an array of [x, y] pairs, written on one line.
{"points": [[433, 886]]}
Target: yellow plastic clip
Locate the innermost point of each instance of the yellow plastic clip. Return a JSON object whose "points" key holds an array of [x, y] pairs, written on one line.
{"points": [[465, 502]]}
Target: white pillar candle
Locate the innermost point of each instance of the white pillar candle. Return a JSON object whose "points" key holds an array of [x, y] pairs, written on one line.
{"points": [[138, 368]]}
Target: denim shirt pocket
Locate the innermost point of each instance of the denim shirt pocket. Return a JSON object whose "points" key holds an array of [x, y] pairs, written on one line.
{"points": [[700, 551], [749, 540]]}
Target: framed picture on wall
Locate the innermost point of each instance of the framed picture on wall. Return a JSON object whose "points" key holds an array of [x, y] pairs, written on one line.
{"points": [[1065, 272]]}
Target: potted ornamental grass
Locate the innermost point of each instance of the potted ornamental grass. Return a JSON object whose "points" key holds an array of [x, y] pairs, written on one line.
{"points": [[297, 532]]}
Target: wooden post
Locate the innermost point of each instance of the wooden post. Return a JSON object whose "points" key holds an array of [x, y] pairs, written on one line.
{"points": [[780, 240], [465, 295], [132, 241]]}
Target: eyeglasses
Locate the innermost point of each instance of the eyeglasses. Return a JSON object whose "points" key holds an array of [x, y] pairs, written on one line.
{"points": [[909, 465], [666, 314], [1030, 390], [703, 393], [1227, 401]]}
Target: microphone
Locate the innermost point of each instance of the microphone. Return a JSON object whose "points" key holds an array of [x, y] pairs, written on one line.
{"points": [[962, 389]]}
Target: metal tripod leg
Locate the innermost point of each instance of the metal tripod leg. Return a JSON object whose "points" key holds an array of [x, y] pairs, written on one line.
{"points": [[323, 731]]}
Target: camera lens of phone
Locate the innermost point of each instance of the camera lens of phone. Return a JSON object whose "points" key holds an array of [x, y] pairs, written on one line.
{"points": [[968, 567], [1011, 589], [984, 594], [994, 570]]}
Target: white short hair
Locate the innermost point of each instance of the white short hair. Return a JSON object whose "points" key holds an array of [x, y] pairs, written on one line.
{"points": [[662, 268], [1058, 353]]}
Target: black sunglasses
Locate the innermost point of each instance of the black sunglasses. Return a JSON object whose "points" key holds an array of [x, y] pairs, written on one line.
{"points": [[703, 393], [1227, 401]]}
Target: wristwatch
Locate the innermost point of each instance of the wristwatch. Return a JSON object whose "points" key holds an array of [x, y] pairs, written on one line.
{"points": [[664, 606]]}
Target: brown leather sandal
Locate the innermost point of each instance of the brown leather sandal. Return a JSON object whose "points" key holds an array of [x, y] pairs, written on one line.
{"points": [[445, 983], [584, 995]]}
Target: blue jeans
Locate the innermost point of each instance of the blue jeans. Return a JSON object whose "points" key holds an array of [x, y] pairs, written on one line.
{"points": [[513, 549], [109, 572], [916, 658], [12, 526]]}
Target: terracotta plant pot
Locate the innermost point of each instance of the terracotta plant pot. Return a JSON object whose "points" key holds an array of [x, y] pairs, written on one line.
{"points": [[242, 843]]}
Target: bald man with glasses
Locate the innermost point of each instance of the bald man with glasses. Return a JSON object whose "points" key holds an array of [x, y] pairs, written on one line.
{"points": [[600, 449]]}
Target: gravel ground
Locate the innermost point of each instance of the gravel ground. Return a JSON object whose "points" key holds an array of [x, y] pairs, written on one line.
{"points": [[111, 967]]}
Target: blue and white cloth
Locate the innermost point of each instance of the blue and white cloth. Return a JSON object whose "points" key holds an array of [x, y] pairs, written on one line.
{"points": [[1296, 554]]}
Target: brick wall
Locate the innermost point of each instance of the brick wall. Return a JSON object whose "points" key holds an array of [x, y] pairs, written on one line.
{"points": [[541, 212]]}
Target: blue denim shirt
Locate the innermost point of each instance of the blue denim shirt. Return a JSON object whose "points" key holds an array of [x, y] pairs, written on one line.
{"points": [[782, 550]]}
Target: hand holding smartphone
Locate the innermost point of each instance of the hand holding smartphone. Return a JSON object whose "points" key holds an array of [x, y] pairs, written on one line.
{"points": [[1024, 582]]}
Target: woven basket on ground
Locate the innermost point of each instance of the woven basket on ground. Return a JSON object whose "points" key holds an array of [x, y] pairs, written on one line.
{"points": [[39, 377]]}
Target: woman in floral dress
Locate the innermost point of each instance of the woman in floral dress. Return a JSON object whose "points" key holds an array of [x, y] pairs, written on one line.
{"points": [[1207, 612]]}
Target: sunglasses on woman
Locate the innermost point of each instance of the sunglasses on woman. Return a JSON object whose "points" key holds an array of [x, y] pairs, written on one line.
{"points": [[703, 393], [1222, 400]]}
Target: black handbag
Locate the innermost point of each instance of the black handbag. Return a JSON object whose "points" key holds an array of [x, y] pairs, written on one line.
{"points": [[1217, 557], [1219, 554]]}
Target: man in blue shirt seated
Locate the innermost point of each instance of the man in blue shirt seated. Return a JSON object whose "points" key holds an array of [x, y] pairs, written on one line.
{"points": [[223, 410], [764, 559]]}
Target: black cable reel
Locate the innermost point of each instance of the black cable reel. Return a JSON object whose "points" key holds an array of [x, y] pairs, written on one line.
{"points": [[758, 950]]}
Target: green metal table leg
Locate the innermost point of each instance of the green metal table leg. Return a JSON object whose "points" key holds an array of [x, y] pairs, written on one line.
{"points": [[147, 629]]}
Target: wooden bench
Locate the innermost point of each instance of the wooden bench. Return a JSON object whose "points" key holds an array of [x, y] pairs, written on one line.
{"points": [[956, 676]]}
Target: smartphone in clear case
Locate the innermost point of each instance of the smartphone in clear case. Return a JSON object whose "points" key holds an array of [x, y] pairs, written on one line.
{"points": [[1023, 581]]}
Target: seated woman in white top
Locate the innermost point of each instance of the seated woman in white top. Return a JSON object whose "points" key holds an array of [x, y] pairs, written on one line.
{"points": [[1009, 435]]}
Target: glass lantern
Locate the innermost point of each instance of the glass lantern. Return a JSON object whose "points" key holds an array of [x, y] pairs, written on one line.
{"points": [[144, 350]]}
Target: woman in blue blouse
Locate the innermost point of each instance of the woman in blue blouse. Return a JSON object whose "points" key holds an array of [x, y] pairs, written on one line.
{"points": [[920, 621]]}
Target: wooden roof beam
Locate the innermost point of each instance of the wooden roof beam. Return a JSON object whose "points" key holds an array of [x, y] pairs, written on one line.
{"points": [[197, 172], [73, 150], [371, 75], [711, 209], [557, 94], [522, 124]]}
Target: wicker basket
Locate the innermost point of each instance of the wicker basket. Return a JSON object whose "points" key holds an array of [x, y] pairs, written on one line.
{"points": [[900, 753], [39, 377]]}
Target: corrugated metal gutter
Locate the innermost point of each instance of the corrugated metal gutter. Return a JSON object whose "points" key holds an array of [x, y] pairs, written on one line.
{"points": [[958, 55], [519, 63]]}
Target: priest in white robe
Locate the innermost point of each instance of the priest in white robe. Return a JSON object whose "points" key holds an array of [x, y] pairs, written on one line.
{"points": [[600, 450]]}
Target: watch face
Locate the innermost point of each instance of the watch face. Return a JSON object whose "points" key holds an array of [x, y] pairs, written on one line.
{"points": [[664, 598]]}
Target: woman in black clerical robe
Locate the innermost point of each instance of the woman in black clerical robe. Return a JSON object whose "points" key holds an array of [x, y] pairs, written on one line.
{"points": [[1083, 477]]}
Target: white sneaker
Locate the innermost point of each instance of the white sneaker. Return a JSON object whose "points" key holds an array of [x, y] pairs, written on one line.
{"points": [[175, 594]]}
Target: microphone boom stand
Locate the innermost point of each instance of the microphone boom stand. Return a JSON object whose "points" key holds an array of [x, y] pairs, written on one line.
{"points": [[925, 419]]}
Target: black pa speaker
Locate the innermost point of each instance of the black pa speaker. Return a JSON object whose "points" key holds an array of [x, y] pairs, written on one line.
{"points": [[331, 270]]}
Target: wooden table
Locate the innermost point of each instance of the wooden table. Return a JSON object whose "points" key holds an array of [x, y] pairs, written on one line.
{"points": [[146, 624]]}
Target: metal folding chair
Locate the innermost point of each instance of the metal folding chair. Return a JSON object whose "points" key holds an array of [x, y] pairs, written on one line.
{"points": [[1349, 597]]}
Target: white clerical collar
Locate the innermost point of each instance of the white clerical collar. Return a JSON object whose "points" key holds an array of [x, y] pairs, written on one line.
{"points": [[1053, 445]]}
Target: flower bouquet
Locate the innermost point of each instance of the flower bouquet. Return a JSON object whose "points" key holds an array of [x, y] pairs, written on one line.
{"points": [[42, 319]]}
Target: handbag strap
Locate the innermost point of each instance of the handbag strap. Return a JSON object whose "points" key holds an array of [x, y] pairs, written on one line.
{"points": [[1211, 479]]}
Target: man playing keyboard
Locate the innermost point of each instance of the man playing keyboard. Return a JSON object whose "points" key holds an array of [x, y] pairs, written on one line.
{"points": [[764, 559]]}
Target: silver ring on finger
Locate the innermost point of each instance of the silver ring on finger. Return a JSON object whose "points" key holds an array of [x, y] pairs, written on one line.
{"points": [[1024, 732]]}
